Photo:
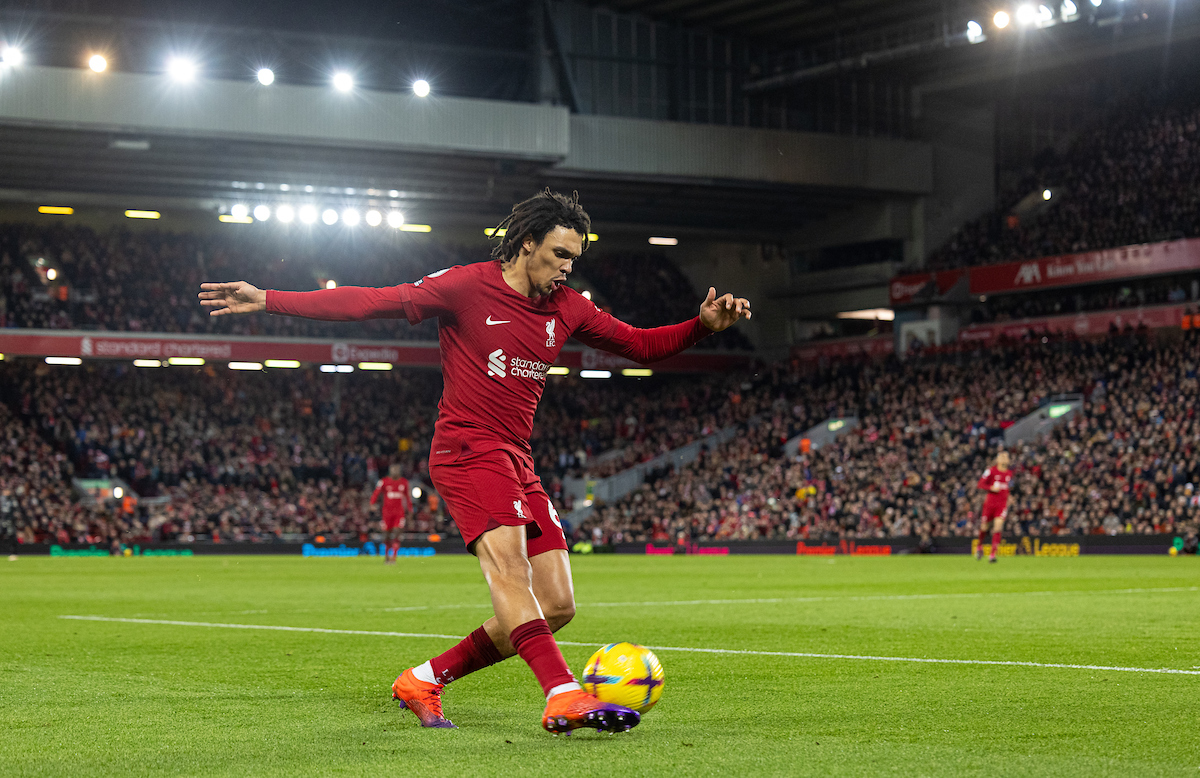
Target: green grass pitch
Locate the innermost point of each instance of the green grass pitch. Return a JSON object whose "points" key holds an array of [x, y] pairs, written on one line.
{"points": [[86, 698]]}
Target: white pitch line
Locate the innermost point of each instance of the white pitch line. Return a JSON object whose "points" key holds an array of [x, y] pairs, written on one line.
{"points": [[851, 598], [264, 626], [800, 654]]}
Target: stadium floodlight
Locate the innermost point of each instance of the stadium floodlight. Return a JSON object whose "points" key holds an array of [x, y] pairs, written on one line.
{"points": [[416, 228], [262, 212], [118, 492], [51, 274], [395, 219], [181, 69], [1026, 14], [329, 216], [421, 88], [343, 81], [240, 211], [245, 366], [1044, 14], [97, 63], [1096, 3], [58, 210], [593, 237], [64, 361], [1047, 194], [12, 56], [416, 492], [664, 241], [190, 361], [595, 374], [266, 76], [637, 372], [351, 217], [975, 32], [559, 370], [375, 365], [331, 284], [1001, 20], [587, 294], [133, 213], [147, 363], [308, 214], [1070, 11], [290, 364], [374, 218], [285, 214]]}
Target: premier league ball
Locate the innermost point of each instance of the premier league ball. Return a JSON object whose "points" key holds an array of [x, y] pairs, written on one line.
{"points": [[624, 674]]}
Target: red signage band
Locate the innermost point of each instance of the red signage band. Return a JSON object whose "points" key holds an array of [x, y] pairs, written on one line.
{"points": [[135, 345], [1088, 267]]}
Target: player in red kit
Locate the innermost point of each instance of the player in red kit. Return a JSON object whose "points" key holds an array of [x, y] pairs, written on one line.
{"points": [[994, 481], [397, 506], [501, 325]]}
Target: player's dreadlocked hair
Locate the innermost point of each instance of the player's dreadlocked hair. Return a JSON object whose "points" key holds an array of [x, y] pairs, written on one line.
{"points": [[537, 216]]}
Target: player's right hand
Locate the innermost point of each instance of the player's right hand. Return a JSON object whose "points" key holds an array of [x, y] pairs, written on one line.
{"points": [[232, 297]]}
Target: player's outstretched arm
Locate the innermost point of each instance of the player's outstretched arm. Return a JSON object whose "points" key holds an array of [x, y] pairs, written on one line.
{"points": [[345, 303], [232, 297], [602, 331]]}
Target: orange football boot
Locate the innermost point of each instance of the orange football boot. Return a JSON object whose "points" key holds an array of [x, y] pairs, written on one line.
{"points": [[423, 699], [571, 710]]}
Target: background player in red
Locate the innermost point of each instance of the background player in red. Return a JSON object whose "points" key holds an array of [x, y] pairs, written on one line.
{"points": [[397, 507], [994, 481], [501, 325]]}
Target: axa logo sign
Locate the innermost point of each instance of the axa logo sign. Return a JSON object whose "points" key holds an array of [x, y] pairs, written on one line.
{"points": [[1030, 273], [496, 366], [901, 290]]}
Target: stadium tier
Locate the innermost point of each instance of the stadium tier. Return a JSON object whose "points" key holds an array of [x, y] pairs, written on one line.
{"points": [[1129, 179]]}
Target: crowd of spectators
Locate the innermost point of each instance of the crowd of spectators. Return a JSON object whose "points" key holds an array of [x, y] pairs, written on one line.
{"points": [[1133, 178], [231, 456], [1129, 463]]}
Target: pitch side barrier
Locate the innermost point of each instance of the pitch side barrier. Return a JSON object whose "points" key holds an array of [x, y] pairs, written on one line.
{"points": [[1056, 546]]}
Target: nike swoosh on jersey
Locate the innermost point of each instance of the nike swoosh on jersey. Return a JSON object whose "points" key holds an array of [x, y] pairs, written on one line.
{"points": [[490, 322]]}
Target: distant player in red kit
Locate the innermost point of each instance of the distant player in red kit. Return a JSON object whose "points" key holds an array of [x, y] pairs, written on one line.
{"points": [[397, 506], [995, 481], [501, 325]]}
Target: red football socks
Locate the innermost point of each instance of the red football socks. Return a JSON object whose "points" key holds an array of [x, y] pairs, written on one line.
{"points": [[995, 543], [474, 652], [536, 646], [983, 534]]}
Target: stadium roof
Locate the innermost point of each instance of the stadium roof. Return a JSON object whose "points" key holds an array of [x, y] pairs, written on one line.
{"points": [[790, 21]]}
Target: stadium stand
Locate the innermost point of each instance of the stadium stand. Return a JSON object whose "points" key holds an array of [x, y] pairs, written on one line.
{"points": [[1128, 180], [1129, 464]]}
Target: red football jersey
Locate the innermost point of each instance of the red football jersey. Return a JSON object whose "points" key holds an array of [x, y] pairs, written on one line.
{"points": [[496, 345], [994, 475], [397, 499]]}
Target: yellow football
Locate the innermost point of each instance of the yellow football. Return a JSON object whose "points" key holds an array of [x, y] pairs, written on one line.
{"points": [[624, 674]]}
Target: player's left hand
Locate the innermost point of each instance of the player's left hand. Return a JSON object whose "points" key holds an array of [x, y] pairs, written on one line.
{"points": [[721, 313]]}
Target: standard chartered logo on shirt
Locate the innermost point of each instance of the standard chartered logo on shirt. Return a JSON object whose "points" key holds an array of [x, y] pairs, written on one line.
{"points": [[517, 367]]}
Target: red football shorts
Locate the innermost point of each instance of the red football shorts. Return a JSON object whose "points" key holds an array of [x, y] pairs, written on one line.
{"points": [[393, 522], [994, 511], [498, 488]]}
